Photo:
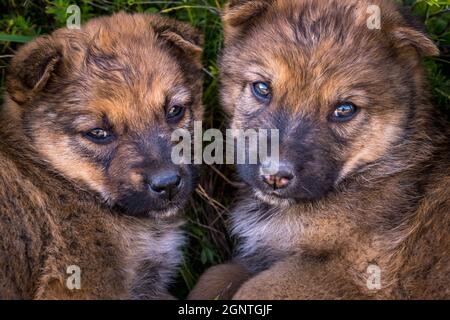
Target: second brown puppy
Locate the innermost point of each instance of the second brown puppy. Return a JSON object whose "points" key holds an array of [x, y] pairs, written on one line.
{"points": [[360, 206]]}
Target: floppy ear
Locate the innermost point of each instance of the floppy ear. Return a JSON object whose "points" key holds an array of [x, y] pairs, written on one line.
{"points": [[409, 37], [182, 36], [187, 44], [31, 68], [238, 13]]}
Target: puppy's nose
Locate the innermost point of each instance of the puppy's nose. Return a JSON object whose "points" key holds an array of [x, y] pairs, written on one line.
{"points": [[165, 183], [280, 180]]}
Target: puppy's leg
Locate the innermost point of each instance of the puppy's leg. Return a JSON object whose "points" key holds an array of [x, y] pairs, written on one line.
{"points": [[220, 282], [297, 279]]}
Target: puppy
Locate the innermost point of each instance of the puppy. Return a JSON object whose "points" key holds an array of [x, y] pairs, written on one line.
{"points": [[90, 201], [360, 206]]}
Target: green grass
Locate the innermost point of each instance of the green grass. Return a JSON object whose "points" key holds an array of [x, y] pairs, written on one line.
{"points": [[20, 21]]}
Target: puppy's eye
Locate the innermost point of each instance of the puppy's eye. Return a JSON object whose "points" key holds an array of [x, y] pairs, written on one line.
{"points": [[261, 91], [344, 112], [100, 136], [175, 113]]}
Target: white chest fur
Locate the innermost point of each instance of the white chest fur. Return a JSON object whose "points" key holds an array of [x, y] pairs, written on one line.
{"points": [[264, 234], [153, 256]]}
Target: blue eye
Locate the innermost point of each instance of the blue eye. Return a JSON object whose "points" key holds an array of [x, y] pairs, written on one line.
{"points": [[99, 136], [344, 112], [175, 113], [262, 91]]}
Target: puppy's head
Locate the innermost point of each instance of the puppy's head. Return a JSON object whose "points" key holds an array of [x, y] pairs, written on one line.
{"points": [[100, 104], [341, 91]]}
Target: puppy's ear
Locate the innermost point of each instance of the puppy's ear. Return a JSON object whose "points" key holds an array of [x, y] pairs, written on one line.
{"points": [[238, 13], [190, 45], [31, 68], [407, 37], [182, 36]]}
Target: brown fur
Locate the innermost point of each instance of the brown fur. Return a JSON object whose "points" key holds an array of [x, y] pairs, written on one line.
{"points": [[65, 200], [370, 191], [223, 287]]}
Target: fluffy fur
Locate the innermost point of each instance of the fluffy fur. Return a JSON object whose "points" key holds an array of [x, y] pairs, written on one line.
{"points": [[373, 190], [68, 200]]}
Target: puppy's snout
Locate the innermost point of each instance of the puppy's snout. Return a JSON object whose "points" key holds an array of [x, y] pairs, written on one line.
{"points": [[165, 183], [281, 179]]}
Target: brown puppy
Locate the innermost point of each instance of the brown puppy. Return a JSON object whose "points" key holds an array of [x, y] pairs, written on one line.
{"points": [[360, 206], [86, 177]]}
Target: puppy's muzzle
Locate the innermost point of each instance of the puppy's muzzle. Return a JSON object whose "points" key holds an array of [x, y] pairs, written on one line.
{"points": [[282, 179], [164, 184]]}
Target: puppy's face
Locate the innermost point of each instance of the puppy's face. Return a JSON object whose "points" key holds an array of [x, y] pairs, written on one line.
{"points": [[116, 90], [340, 93]]}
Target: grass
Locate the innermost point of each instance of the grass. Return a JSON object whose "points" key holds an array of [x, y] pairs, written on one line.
{"points": [[21, 21]]}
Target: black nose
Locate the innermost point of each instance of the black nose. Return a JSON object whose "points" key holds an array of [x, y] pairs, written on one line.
{"points": [[280, 180], [165, 183]]}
